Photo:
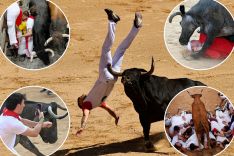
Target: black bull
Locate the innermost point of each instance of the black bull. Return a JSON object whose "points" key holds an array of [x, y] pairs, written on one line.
{"points": [[50, 24], [48, 135], [151, 94], [213, 19]]}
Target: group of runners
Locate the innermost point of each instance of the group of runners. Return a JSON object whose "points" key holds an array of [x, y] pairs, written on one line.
{"points": [[182, 135], [20, 29]]}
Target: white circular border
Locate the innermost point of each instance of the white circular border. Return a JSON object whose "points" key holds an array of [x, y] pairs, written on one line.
{"points": [[164, 36], [69, 122], [173, 100], [58, 58]]}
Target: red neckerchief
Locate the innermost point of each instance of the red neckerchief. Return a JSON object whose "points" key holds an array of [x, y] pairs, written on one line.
{"points": [[7, 112], [31, 17]]}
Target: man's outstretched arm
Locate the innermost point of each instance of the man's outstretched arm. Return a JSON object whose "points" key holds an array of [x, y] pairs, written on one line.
{"points": [[83, 121]]}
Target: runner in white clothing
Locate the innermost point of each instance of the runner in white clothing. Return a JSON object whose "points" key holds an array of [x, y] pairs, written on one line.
{"points": [[11, 124], [105, 83], [14, 14], [29, 35]]}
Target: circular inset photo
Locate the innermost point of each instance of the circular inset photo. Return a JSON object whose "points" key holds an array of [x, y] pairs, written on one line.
{"points": [[34, 34], [199, 121], [199, 35], [34, 121]]}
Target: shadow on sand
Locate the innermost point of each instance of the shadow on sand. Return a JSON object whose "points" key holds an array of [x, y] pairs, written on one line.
{"points": [[133, 145]]}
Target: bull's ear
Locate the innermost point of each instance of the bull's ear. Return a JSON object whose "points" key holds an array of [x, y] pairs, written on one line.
{"points": [[182, 9]]}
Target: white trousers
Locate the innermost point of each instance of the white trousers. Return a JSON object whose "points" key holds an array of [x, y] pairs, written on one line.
{"points": [[22, 46], [12, 14], [117, 59], [105, 83]]}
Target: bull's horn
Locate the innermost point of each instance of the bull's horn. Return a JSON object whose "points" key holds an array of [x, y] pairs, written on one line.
{"points": [[151, 69], [54, 115], [51, 51], [66, 35], [48, 41], [109, 68], [33, 54], [173, 15], [60, 107]]}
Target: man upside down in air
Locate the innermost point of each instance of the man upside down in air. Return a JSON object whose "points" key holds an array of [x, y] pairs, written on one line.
{"points": [[105, 82]]}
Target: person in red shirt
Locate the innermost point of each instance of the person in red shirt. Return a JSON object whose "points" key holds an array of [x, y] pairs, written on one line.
{"points": [[219, 49]]}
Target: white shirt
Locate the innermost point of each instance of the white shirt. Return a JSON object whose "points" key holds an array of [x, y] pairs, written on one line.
{"points": [[175, 139], [175, 121], [192, 140], [9, 128], [215, 125], [100, 90], [14, 7], [30, 23]]}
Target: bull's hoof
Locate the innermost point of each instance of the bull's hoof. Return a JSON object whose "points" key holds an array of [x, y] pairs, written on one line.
{"points": [[149, 147]]}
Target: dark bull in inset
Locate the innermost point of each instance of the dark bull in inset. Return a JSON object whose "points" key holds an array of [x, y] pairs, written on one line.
{"points": [[213, 19]]}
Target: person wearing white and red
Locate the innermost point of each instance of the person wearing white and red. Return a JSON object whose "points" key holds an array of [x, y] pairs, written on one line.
{"points": [[23, 30], [29, 35], [105, 82], [14, 18], [219, 49], [11, 124], [183, 137]]}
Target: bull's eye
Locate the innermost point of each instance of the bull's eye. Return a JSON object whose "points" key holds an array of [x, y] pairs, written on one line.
{"points": [[180, 23]]}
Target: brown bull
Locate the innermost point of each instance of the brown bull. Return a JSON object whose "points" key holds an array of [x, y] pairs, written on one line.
{"points": [[200, 119]]}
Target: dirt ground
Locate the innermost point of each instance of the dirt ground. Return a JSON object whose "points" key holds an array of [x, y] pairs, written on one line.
{"points": [[179, 52], [77, 71], [183, 101]]}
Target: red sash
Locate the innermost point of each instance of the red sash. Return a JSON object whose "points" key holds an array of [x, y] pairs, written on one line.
{"points": [[87, 105], [19, 18], [7, 112]]}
